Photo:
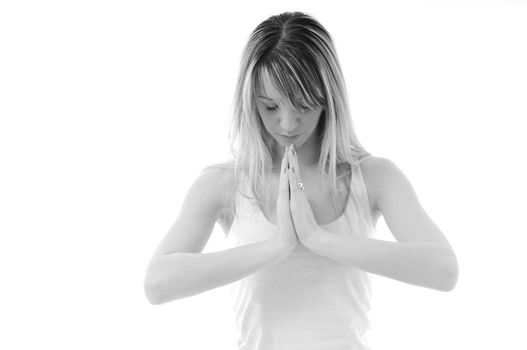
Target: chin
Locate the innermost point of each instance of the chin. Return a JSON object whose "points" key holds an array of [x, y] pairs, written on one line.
{"points": [[282, 143]]}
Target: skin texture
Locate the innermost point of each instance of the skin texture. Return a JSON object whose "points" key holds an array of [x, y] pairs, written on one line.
{"points": [[284, 121], [421, 256]]}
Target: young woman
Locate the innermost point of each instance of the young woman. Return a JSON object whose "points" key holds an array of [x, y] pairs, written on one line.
{"points": [[298, 204]]}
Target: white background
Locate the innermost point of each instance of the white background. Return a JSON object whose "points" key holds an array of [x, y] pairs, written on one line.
{"points": [[110, 109]]}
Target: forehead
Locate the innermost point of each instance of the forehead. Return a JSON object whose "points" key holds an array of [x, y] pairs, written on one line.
{"points": [[268, 92]]}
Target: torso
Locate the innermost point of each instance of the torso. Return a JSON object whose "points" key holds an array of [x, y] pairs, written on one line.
{"points": [[325, 208]]}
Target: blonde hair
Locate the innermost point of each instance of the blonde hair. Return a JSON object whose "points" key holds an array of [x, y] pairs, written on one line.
{"points": [[292, 52]]}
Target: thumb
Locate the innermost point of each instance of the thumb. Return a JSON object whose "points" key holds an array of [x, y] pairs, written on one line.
{"points": [[284, 177]]}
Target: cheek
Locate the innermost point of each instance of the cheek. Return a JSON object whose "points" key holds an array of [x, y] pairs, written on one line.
{"points": [[314, 119], [266, 120]]}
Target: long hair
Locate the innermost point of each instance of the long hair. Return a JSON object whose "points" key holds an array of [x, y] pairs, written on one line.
{"points": [[292, 52]]}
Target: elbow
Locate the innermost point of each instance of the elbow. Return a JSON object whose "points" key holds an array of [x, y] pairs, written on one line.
{"points": [[152, 293], [449, 275], [155, 289], [154, 285], [158, 291]]}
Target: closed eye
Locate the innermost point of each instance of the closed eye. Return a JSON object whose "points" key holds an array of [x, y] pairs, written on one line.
{"points": [[304, 108]]}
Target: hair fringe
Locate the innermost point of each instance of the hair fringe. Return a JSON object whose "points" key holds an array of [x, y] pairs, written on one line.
{"points": [[293, 52]]}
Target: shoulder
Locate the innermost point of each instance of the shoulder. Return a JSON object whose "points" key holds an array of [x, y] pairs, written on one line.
{"points": [[385, 180], [376, 166], [379, 173], [224, 169]]}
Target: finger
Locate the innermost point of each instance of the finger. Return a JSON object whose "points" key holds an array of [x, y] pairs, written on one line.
{"points": [[292, 182], [295, 178], [285, 160], [293, 160], [284, 177], [288, 183]]}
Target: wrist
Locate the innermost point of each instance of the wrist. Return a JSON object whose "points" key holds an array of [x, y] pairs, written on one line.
{"points": [[280, 245], [317, 241]]}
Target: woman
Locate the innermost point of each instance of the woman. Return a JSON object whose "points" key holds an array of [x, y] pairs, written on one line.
{"points": [[298, 204]]}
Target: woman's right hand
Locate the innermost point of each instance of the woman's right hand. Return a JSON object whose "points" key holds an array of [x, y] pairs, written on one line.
{"points": [[286, 234]]}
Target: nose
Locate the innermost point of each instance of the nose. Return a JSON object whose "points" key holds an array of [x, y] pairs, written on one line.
{"points": [[289, 121]]}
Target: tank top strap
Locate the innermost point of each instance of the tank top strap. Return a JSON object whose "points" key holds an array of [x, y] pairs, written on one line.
{"points": [[364, 157], [359, 187], [248, 210]]}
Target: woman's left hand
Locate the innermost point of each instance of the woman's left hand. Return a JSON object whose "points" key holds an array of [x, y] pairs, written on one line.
{"points": [[307, 229]]}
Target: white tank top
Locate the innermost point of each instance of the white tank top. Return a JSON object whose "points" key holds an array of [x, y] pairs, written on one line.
{"points": [[306, 301]]}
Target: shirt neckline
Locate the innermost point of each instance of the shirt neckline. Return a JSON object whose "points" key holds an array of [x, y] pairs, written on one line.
{"points": [[339, 218]]}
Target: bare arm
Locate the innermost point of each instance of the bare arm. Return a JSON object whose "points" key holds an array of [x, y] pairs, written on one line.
{"points": [[421, 256], [178, 269], [427, 264], [179, 275]]}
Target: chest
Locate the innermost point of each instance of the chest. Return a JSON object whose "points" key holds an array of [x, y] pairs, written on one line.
{"points": [[327, 206]]}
